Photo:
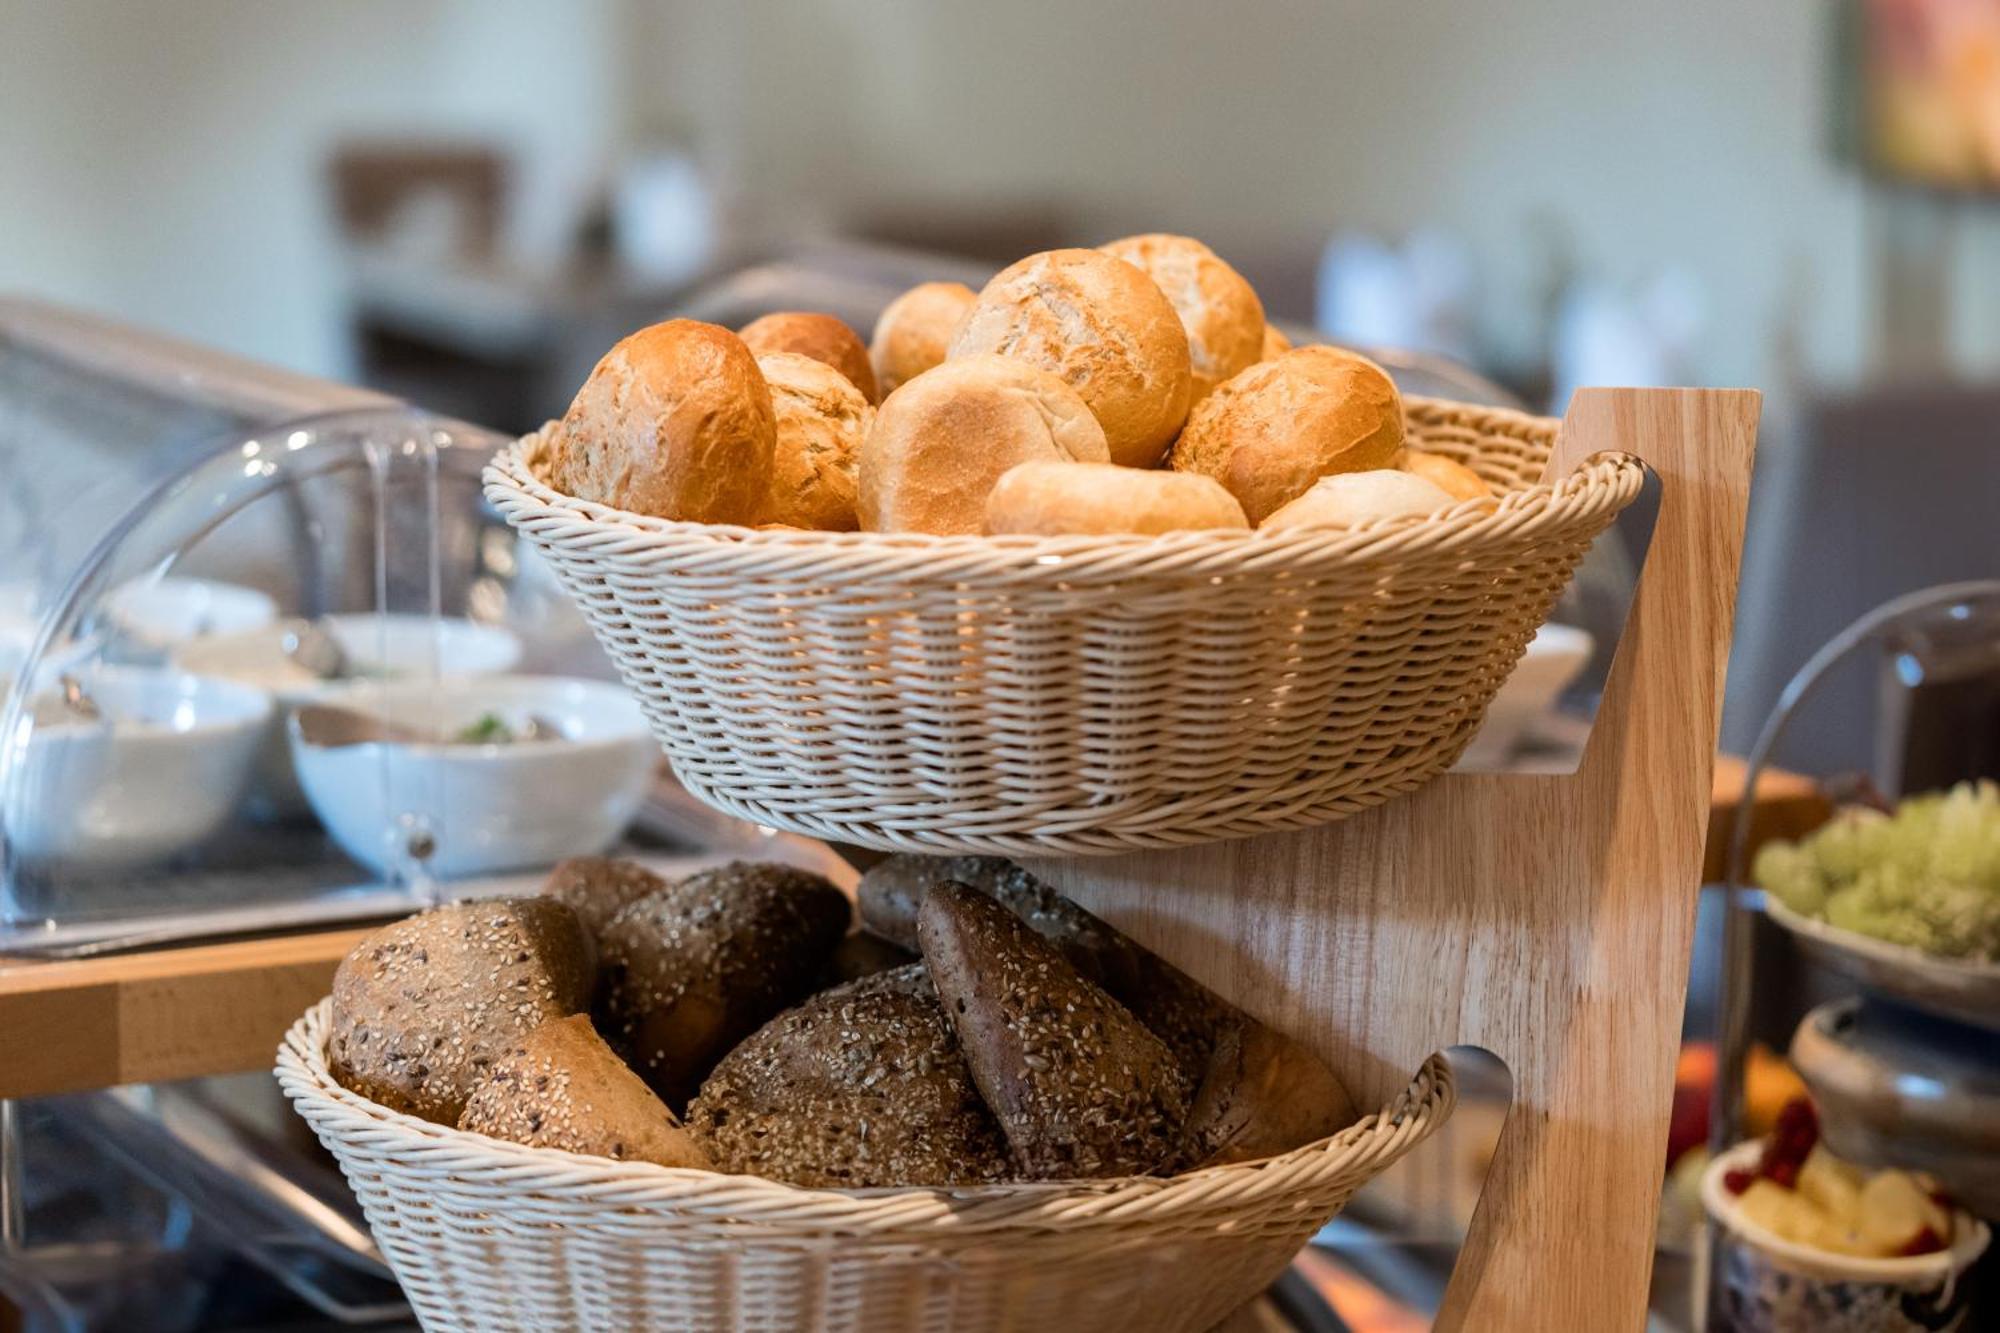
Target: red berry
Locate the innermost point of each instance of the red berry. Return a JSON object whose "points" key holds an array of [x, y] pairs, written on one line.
{"points": [[1784, 1173], [1738, 1180], [1926, 1241]]}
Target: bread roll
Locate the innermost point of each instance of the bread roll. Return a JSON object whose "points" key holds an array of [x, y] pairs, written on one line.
{"points": [[693, 969], [1055, 498], [1262, 1094], [821, 337], [562, 1087], [1281, 425], [913, 331], [1447, 474], [1354, 498], [674, 422], [1276, 344], [598, 888], [423, 1006], [1220, 311], [822, 419], [1105, 328], [859, 1086], [942, 440]]}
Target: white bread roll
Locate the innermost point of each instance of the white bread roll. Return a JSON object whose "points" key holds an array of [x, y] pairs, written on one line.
{"points": [[942, 440], [1281, 425], [675, 422], [1219, 311], [1350, 499], [822, 419], [1453, 477], [913, 331], [821, 337], [1049, 499], [1103, 327]]}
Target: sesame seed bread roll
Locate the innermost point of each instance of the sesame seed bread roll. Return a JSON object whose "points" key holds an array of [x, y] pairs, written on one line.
{"points": [[598, 888], [562, 1087], [1220, 311], [674, 422], [1276, 344], [1049, 499], [859, 1086], [1103, 327], [1353, 498], [913, 330], [941, 441], [1079, 1086], [1278, 427], [821, 337], [822, 419], [424, 1006], [1448, 474]]}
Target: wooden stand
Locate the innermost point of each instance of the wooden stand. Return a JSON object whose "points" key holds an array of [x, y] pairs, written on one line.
{"points": [[1547, 919]]}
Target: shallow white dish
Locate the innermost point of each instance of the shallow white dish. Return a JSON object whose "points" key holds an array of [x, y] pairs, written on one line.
{"points": [[1966, 991], [161, 614], [481, 807], [1768, 1283], [1554, 656], [378, 646], [158, 774]]}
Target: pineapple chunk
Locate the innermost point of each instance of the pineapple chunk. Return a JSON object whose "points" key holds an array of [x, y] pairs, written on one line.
{"points": [[1895, 1210], [1834, 1187], [1782, 1212]]}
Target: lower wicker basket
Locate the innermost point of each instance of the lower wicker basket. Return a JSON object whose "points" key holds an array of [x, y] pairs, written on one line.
{"points": [[488, 1236]]}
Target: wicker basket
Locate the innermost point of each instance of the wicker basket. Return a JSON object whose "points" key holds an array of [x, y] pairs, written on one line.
{"points": [[1076, 695], [488, 1236]]}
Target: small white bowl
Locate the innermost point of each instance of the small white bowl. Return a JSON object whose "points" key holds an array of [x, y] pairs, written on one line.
{"points": [[1766, 1282], [1554, 656], [381, 647], [158, 774], [482, 807], [162, 614]]}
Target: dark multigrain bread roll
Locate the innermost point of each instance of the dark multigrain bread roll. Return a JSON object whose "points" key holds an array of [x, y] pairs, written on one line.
{"points": [[862, 1085], [1176, 1008], [1262, 1094], [424, 1005], [693, 969], [562, 1087], [1080, 1087], [598, 888]]}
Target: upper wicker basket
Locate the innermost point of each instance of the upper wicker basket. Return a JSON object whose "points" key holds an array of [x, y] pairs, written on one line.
{"points": [[1076, 695]]}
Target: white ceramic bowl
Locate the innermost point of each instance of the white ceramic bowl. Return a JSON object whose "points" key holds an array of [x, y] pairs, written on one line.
{"points": [[484, 808], [159, 774], [1554, 656], [1768, 1283], [161, 614], [385, 647]]}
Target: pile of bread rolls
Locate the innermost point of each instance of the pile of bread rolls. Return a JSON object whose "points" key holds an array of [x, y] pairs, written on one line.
{"points": [[1134, 388], [977, 1028]]}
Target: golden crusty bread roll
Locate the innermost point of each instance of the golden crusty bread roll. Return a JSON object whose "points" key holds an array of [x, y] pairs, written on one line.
{"points": [[1276, 344], [675, 422], [1281, 425], [821, 337], [1219, 311], [822, 419], [1054, 498], [1447, 474], [942, 440], [913, 330], [1104, 328], [1350, 499]]}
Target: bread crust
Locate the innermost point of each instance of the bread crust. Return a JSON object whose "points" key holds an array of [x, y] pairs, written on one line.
{"points": [[1272, 431], [1218, 308], [674, 422], [1350, 499], [1447, 474], [822, 337], [913, 331], [1051, 499], [1104, 328], [821, 419]]}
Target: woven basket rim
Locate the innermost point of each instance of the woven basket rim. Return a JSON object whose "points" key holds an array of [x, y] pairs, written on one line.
{"points": [[513, 485], [1416, 1112]]}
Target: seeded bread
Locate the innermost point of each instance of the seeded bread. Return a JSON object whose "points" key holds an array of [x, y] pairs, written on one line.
{"points": [[1079, 1086], [693, 969], [1176, 1008], [598, 888], [422, 1007], [562, 1087], [862, 1085], [1263, 1094]]}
